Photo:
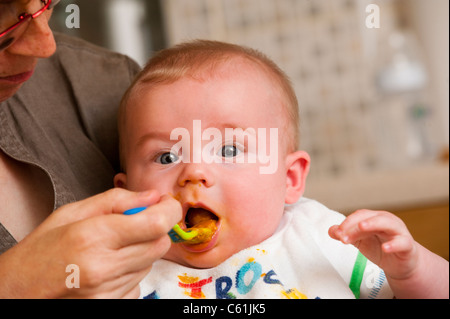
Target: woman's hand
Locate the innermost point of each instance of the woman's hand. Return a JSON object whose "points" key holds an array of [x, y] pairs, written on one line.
{"points": [[113, 251]]}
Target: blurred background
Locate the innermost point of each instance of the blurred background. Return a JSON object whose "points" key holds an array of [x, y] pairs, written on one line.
{"points": [[372, 79]]}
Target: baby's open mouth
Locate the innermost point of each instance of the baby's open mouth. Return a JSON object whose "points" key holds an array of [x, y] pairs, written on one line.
{"points": [[202, 220]]}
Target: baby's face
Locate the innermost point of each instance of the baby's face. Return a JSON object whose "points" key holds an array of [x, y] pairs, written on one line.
{"points": [[213, 177]]}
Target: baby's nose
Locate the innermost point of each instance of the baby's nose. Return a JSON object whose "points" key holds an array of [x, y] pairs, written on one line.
{"points": [[196, 174]]}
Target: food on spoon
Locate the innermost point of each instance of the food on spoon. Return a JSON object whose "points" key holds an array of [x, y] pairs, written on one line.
{"points": [[202, 221]]}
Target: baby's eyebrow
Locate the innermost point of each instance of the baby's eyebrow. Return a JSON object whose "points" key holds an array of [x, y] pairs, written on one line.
{"points": [[154, 135], [235, 130]]}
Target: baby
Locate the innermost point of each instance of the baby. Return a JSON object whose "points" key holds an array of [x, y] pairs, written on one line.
{"points": [[215, 125]]}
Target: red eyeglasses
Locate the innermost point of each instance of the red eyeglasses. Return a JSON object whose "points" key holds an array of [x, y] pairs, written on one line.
{"points": [[17, 10]]}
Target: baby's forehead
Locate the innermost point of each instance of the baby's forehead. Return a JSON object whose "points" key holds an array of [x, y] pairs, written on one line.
{"points": [[243, 85], [234, 68], [208, 71]]}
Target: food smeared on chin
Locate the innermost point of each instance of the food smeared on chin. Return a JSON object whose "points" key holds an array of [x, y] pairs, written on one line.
{"points": [[202, 221]]}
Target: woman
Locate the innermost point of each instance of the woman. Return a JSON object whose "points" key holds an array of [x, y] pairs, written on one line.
{"points": [[58, 101]]}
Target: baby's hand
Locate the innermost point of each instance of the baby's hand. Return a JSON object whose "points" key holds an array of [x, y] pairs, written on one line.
{"points": [[383, 238]]}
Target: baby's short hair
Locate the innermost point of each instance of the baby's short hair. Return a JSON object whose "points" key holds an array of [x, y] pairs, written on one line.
{"points": [[198, 57]]}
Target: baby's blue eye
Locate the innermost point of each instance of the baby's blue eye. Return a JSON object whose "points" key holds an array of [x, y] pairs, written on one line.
{"points": [[167, 158], [229, 151]]}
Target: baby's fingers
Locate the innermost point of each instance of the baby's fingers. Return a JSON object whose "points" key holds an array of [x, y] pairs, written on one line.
{"points": [[364, 224], [348, 231], [350, 226], [400, 245], [385, 224], [334, 232]]}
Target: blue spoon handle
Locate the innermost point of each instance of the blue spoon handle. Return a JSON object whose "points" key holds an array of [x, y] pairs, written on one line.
{"points": [[134, 210]]}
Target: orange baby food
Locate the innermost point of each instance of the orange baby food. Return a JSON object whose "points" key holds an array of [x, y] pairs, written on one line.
{"points": [[202, 221]]}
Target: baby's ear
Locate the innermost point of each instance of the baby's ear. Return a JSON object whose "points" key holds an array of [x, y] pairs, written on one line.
{"points": [[297, 166], [120, 180]]}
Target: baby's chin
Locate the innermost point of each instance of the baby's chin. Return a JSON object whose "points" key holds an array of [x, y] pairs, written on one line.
{"points": [[201, 260], [222, 251]]}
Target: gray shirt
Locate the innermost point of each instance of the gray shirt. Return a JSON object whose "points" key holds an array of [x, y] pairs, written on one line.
{"points": [[63, 120]]}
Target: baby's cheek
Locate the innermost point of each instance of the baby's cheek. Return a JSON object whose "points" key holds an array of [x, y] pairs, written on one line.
{"points": [[247, 233]]}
